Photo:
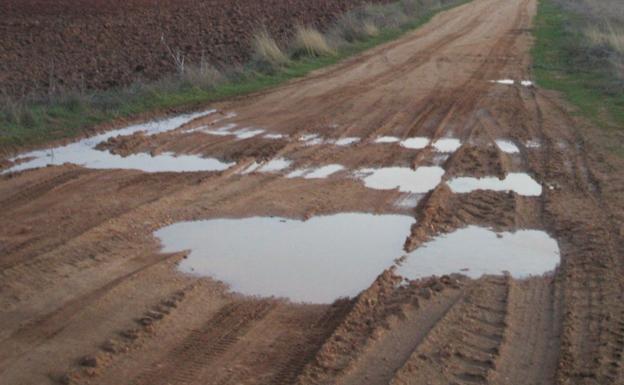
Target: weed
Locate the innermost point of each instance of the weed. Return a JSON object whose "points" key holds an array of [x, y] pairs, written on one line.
{"points": [[310, 42], [267, 53]]}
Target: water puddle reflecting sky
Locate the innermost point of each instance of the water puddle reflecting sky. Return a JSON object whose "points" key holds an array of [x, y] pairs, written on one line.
{"points": [[334, 256], [421, 180], [316, 261], [475, 251], [387, 139], [415, 143], [519, 183], [84, 153], [447, 144], [507, 146]]}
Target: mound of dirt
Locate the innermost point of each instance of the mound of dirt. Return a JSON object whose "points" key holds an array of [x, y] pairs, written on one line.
{"points": [[103, 44]]}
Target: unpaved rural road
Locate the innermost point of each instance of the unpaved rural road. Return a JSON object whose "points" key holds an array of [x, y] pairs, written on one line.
{"points": [[86, 296]]}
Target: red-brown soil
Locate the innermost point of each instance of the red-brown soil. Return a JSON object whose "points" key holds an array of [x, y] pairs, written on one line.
{"points": [[87, 298], [101, 44]]}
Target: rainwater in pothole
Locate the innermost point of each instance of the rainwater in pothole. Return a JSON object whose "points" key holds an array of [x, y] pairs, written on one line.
{"points": [[273, 165], [387, 139], [415, 143], [84, 153], [520, 183], [447, 145], [316, 261], [507, 146], [316, 173], [421, 180], [347, 141], [475, 251]]}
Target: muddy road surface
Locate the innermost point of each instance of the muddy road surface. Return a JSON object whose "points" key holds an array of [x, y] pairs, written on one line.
{"points": [[438, 136]]}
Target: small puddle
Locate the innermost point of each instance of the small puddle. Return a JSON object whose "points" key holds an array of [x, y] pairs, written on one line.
{"points": [[447, 144], [508, 82], [415, 143], [346, 141], [316, 173], [475, 251], [387, 139], [244, 133], [408, 201], [421, 180], [519, 183], [324, 172], [311, 139], [247, 133], [221, 131], [507, 146], [274, 136], [318, 261], [274, 165], [298, 173], [84, 153]]}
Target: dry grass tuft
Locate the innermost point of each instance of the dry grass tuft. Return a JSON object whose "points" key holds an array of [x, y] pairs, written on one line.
{"points": [[267, 51], [370, 29], [310, 42]]}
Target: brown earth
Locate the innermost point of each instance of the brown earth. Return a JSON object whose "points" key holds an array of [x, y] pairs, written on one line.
{"points": [[86, 297], [78, 44]]}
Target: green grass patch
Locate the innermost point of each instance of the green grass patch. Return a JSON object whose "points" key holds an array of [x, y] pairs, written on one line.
{"points": [[35, 123], [564, 62]]}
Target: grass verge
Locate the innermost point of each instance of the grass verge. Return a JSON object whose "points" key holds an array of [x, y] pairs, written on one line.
{"points": [[34, 122], [566, 59]]}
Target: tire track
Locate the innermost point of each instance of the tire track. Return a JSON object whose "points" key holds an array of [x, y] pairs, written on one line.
{"points": [[184, 363], [463, 348]]}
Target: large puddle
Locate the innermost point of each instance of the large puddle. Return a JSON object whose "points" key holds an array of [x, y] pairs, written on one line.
{"points": [[84, 153], [421, 180], [328, 257], [519, 183], [316, 261], [475, 251]]}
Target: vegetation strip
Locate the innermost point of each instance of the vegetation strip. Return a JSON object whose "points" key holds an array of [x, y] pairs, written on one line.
{"points": [[33, 122], [580, 53]]}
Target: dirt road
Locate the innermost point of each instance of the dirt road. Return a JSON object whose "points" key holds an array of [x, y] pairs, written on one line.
{"points": [[86, 297]]}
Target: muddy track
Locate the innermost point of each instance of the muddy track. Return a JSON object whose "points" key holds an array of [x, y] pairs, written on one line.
{"points": [[81, 274]]}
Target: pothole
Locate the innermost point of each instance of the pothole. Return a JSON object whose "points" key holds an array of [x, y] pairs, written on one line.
{"points": [[519, 183], [476, 251], [316, 261], [421, 180]]}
